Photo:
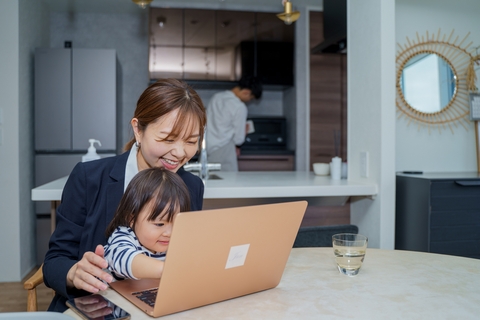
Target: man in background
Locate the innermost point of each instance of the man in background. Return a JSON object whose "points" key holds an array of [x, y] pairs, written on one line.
{"points": [[227, 122]]}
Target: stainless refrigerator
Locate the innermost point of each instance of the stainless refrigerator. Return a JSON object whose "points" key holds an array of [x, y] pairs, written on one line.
{"points": [[75, 100]]}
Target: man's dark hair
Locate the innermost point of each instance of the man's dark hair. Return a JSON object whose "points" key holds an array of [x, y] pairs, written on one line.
{"points": [[253, 84]]}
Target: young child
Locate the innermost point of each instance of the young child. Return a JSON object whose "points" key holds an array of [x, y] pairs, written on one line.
{"points": [[139, 233]]}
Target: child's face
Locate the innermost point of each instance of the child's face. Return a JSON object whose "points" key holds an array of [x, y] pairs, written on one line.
{"points": [[153, 235]]}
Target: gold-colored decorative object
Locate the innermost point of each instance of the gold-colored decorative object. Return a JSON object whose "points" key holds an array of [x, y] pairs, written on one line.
{"points": [[471, 74], [288, 16], [441, 66], [142, 3]]}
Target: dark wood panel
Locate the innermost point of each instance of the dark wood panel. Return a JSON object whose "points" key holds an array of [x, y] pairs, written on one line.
{"points": [[328, 99], [316, 28], [328, 112], [266, 163], [326, 215]]}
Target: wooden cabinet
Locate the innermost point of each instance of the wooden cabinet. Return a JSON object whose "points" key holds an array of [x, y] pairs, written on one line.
{"points": [[438, 213], [266, 162], [197, 44]]}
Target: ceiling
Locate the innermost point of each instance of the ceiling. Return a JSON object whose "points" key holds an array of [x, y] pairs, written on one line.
{"points": [[127, 6]]}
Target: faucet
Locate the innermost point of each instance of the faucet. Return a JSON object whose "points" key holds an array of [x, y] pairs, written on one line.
{"points": [[203, 167]]}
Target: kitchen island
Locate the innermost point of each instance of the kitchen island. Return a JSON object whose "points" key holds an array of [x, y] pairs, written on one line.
{"points": [[247, 188], [250, 188], [280, 185]]}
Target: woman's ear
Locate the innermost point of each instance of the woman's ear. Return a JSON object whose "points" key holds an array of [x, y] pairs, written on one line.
{"points": [[136, 130]]}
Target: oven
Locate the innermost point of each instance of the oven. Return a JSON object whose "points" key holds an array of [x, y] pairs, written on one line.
{"points": [[270, 134]]}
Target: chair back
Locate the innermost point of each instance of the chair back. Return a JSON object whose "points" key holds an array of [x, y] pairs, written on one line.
{"points": [[321, 236]]}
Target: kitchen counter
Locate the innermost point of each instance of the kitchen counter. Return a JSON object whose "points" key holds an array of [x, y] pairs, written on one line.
{"points": [[258, 187], [279, 184], [236, 189], [51, 191]]}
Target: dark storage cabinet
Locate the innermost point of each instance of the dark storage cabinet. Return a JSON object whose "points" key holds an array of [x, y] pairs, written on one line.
{"points": [[218, 45], [438, 213], [272, 62]]}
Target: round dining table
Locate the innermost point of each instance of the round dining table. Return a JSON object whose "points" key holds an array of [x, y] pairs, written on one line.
{"points": [[392, 284]]}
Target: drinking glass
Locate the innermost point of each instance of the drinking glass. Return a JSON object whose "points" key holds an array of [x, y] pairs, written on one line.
{"points": [[349, 249]]}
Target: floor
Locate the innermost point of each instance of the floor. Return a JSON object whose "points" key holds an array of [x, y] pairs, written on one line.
{"points": [[13, 297]]}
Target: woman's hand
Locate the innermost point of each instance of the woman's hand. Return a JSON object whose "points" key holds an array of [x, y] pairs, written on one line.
{"points": [[87, 273]]}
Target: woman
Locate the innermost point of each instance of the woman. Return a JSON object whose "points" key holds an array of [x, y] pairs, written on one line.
{"points": [[168, 127]]}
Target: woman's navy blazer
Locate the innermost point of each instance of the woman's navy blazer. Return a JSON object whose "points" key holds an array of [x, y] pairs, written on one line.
{"points": [[89, 201]]}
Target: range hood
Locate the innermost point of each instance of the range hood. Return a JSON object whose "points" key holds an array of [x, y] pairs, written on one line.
{"points": [[334, 28]]}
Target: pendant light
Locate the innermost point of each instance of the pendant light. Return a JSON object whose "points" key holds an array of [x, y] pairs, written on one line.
{"points": [[288, 16], [142, 3]]}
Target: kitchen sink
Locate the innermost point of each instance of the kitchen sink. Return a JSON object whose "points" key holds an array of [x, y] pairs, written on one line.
{"points": [[211, 176]]}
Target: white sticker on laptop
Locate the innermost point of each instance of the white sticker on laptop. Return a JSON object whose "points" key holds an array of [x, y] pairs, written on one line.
{"points": [[237, 256]]}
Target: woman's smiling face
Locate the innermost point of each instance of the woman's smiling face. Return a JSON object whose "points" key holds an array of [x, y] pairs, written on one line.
{"points": [[156, 150]]}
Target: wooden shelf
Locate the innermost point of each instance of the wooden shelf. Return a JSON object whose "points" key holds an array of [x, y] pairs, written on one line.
{"points": [[283, 162]]}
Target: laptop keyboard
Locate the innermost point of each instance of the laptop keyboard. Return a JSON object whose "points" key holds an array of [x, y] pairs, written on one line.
{"points": [[147, 296]]}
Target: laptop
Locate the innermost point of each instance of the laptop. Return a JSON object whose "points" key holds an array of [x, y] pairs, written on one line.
{"points": [[220, 254]]}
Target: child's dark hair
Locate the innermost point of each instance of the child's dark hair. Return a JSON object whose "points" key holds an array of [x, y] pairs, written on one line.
{"points": [[252, 83], [165, 188]]}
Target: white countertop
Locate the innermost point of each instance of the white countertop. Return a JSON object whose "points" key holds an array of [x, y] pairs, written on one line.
{"points": [[251, 185], [391, 284], [280, 184], [51, 191]]}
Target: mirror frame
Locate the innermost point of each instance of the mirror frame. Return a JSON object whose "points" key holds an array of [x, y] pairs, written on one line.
{"points": [[457, 56]]}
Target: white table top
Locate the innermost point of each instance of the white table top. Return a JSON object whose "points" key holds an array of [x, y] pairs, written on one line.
{"points": [[253, 185], [392, 284]]}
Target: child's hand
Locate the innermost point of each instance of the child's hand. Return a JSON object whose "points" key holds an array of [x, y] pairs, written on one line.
{"points": [[87, 274], [144, 267]]}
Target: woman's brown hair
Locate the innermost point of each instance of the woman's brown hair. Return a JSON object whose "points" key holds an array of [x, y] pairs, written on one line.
{"points": [[165, 188], [165, 96]]}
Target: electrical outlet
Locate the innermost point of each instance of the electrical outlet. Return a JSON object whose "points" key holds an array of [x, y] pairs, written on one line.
{"points": [[364, 164]]}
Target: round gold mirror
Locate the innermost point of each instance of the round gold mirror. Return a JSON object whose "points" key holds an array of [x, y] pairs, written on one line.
{"points": [[428, 82], [431, 81]]}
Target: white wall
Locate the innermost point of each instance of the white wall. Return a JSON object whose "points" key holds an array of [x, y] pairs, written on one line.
{"points": [[371, 114], [17, 229], [10, 232], [33, 32], [302, 89], [434, 151]]}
